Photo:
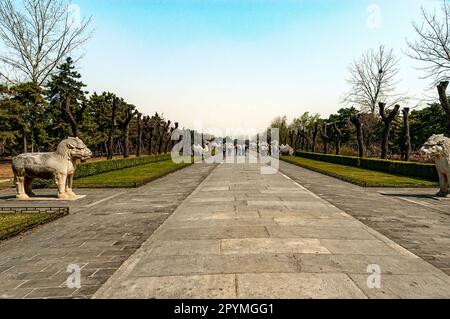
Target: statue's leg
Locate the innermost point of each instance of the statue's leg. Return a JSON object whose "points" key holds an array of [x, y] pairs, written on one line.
{"points": [[69, 183], [28, 186], [447, 183], [20, 186], [60, 181], [443, 182]]}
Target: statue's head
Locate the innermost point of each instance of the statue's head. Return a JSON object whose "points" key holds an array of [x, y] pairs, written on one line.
{"points": [[75, 148], [435, 145]]}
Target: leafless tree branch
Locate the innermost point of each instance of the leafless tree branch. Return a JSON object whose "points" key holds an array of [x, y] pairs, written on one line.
{"points": [[373, 79], [38, 35], [432, 47]]}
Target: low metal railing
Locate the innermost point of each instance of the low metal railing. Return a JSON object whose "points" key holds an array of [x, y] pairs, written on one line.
{"points": [[44, 215]]}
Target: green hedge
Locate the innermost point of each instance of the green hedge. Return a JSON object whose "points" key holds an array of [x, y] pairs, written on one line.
{"points": [[94, 168], [419, 170]]}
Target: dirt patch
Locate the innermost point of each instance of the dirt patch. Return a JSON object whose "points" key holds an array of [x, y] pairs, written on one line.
{"points": [[6, 171]]}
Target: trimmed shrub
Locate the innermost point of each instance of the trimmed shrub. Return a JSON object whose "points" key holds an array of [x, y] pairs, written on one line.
{"points": [[419, 170], [94, 168]]}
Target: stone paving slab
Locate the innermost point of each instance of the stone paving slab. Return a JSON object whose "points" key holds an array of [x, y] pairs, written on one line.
{"points": [[274, 240], [412, 218], [298, 285], [101, 232]]}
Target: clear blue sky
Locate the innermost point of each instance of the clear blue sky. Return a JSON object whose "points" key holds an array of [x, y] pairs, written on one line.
{"points": [[239, 63]]}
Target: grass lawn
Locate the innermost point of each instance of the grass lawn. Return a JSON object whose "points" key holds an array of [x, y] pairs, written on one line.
{"points": [[14, 223], [358, 176], [129, 177], [6, 184]]}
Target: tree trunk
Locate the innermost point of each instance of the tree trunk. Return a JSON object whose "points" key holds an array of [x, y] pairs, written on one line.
{"points": [[126, 149], [150, 140], [302, 139], [168, 137], [161, 139], [307, 140], [72, 121], [164, 136], [139, 137], [173, 142], [314, 140], [387, 119], [126, 126], [338, 135], [297, 140], [325, 138], [359, 135], [291, 138], [443, 98], [112, 129], [32, 141], [407, 145], [24, 141]]}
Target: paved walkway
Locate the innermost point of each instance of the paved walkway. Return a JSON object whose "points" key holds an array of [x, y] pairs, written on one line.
{"points": [[100, 233], [410, 217], [246, 235]]}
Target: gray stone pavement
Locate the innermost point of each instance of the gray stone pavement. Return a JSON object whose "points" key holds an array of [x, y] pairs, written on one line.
{"points": [[100, 233], [413, 218], [241, 234]]}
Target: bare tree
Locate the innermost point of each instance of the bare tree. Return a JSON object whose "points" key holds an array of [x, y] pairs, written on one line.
{"points": [[38, 35], [433, 44], [373, 79], [432, 49]]}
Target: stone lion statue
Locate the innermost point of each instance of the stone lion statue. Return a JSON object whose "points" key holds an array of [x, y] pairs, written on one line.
{"points": [[286, 150], [438, 147], [59, 166]]}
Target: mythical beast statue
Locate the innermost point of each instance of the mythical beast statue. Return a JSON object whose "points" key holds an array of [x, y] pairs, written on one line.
{"points": [[59, 166], [438, 147], [286, 150]]}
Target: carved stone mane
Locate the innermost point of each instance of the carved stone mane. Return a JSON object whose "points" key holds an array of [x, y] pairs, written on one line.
{"points": [[446, 148]]}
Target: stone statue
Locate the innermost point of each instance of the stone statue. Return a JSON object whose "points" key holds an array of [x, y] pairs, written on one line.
{"points": [[286, 150], [438, 147], [59, 166]]}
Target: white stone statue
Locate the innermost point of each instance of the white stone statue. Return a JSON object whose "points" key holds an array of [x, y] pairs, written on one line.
{"points": [[438, 147], [286, 150], [59, 166]]}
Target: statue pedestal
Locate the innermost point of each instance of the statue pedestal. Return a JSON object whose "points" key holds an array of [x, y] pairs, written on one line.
{"points": [[49, 198]]}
